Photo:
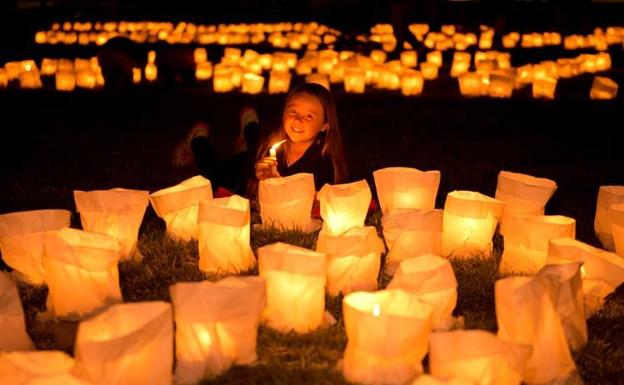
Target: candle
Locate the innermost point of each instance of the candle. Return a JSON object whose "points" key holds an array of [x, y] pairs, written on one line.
{"points": [[273, 150]]}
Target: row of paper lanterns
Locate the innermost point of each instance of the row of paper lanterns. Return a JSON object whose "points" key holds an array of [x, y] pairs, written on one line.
{"points": [[68, 74], [465, 227], [389, 331], [449, 38], [280, 35]]}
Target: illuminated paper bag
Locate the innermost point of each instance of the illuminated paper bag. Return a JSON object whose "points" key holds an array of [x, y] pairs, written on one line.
{"points": [[81, 272], [354, 259], [564, 283], [216, 325], [526, 315], [432, 279], [607, 197], [38, 368], [224, 235], [469, 223], [286, 202], [602, 271], [526, 239], [344, 206], [523, 194], [178, 206], [388, 336], [128, 344], [478, 356], [22, 236], [406, 188], [617, 228], [295, 279], [12, 323], [117, 212], [426, 379], [410, 233]]}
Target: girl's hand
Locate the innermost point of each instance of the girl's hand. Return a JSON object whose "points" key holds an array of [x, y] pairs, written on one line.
{"points": [[266, 168]]}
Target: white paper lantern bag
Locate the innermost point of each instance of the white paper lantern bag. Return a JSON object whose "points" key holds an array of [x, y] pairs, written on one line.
{"points": [[388, 336], [523, 194], [224, 235], [432, 279], [477, 356], [406, 188], [295, 279], [344, 206], [410, 233], [607, 197], [286, 202], [566, 292], [22, 236], [526, 239], [116, 212], [128, 344], [526, 315], [38, 368], [469, 223], [602, 271], [617, 228], [354, 259], [81, 272], [12, 323], [216, 325], [178, 206]]}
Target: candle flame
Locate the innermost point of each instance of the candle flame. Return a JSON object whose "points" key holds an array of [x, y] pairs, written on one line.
{"points": [[376, 310], [276, 145], [583, 272]]}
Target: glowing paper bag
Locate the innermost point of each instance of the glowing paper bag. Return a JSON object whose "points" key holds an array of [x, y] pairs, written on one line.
{"points": [[432, 279], [128, 344], [354, 259], [81, 272], [178, 206], [406, 188], [388, 336], [295, 279], [287, 202], [410, 233], [602, 271], [566, 292], [344, 206], [526, 315], [22, 236], [38, 368], [617, 228], [224, 235], [523, 194], [607, 197], [12, 323], [477, 356], [216, 325], [116, 212], [526, 240], [469, 223]]}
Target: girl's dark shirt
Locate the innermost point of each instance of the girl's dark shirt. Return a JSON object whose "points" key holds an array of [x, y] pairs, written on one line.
{"points": [[312, 162]]}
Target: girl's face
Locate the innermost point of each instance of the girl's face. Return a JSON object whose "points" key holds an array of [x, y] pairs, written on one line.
{"points": [[304, 119]]}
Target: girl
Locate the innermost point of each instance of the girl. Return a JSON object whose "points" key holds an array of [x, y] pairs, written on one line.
{"points": [[312, 139], [312, 144]]}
